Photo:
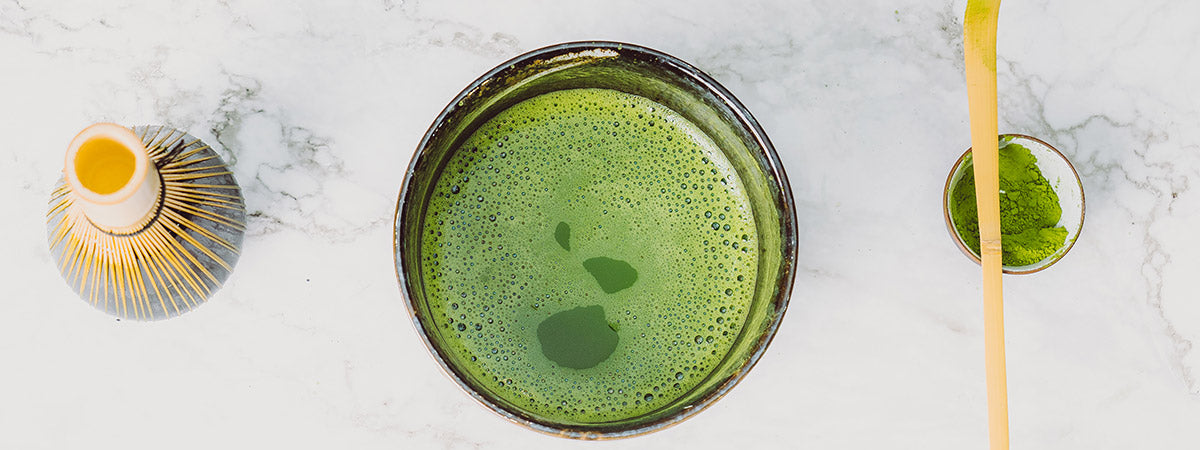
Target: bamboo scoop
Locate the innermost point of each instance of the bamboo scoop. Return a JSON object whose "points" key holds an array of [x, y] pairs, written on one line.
{"points": [[979, 50]]}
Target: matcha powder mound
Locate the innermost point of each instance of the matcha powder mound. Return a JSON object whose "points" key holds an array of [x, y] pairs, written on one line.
{"points": [[1029, 209]]}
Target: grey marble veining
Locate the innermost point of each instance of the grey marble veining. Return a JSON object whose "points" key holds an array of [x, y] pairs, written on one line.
{"points": [[317, 107]]}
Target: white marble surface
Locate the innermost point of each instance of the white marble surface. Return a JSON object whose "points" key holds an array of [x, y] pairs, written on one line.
{"points": [[318, 105]]}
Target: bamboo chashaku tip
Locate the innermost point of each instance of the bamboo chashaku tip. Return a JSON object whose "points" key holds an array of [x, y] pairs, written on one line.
{"points": [[177, 258]]}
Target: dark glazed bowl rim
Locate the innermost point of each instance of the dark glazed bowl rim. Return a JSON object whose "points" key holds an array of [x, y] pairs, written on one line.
{"points": [[774, 171]]}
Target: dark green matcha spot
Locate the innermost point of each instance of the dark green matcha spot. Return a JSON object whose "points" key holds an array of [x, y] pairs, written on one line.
{"points": [[578, 338], [612, 274], [562, 234]]}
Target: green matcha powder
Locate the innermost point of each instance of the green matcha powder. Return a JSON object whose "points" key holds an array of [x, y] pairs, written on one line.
{"points": [[1029, 209]]}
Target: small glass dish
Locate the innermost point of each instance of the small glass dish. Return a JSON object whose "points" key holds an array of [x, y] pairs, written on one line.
{"points": [[1062, 177]]}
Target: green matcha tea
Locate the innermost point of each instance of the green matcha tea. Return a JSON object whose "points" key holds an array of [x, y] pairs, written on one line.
{"points": [[589, 255], [1029, 209]]}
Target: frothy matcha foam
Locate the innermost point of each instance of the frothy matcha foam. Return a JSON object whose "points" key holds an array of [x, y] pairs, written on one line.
{"points": [[588, 255]]}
